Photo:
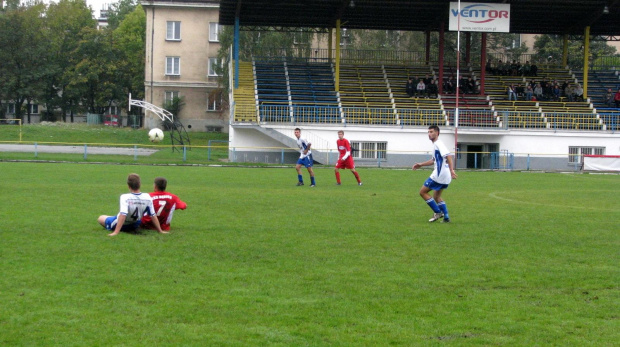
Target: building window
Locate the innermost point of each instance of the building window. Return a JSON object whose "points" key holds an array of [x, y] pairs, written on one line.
{"points": [[575, 153], [173, 65], [170, 95], [369, 150], [214, 32], [214, 102], [33, 109], [214, 65], [173, 31], [10, 108]]}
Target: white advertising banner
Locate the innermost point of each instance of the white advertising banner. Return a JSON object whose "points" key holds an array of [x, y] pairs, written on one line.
{"points": [[601, 162], [482, 17]]}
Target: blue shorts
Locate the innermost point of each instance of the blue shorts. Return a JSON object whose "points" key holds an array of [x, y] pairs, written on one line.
{"points": [[110, 224], [307, 161], [434, 185]]}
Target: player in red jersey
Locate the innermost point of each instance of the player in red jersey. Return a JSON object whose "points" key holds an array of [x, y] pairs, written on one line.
{"points": [[345, 159], [165, 203]]}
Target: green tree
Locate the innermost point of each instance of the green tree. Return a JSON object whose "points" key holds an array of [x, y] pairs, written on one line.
{"points": [[65, 20], [23, 55], [118, 11], [129, 43], [548, 48]]}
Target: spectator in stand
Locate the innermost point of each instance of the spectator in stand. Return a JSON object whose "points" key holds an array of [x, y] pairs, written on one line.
{"points": [[512, 95], [410, 87], [570, 93], [471, 86], [514, 68], [534, 70], [449, 85], [557, 92], [563, 87], [538, 91], [421, 88], [529, 92], [502, 68], [431, 89], [548, 91], [527, 69], [489, 67], [427, 80], [608, 98], [578, 93], [520, 90], [617, 98]]}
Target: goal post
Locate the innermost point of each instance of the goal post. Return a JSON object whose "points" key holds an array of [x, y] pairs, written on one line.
{"points": [[601, 163], [13, 121]]}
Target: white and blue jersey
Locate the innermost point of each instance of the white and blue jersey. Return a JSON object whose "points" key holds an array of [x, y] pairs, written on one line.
{"points": [[441, 174], [133, 206], [305, 159]]}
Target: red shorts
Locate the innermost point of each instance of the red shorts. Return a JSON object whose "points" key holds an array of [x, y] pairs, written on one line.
{"points": [[346, 164]]}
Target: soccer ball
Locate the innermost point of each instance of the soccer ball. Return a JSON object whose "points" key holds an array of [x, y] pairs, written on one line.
{"points": [[156, 135]]}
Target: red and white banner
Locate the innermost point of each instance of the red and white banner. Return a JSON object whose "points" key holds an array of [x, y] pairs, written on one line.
{"points": [[482, 17]]}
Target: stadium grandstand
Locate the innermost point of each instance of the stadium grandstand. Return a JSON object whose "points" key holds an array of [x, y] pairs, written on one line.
{"points": [[270, 96]]}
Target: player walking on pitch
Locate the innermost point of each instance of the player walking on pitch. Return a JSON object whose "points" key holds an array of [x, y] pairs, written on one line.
{"points": [[440, 178], [305, 159], [345, 159]]}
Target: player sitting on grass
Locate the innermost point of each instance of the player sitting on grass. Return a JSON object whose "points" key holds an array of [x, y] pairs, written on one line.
{"points": [[134, 206], [165, 203]]}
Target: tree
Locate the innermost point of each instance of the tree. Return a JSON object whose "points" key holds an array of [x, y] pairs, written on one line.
{"points": [[118, 11], [65, 20], [130, 42], [549, 49], [23, 54]]}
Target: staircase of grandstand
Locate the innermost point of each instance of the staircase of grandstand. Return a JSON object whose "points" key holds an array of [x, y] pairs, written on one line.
{"points": [[417, 110], [598, 83], [364, 94], [312, 92], [245, 97]]}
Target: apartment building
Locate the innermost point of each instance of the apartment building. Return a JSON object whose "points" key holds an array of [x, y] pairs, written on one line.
{"points": [[182, 44]]}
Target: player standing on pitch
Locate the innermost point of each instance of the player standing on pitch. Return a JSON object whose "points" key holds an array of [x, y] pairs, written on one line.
{"points": [[305, 159], [440, 178], [345, 159]]}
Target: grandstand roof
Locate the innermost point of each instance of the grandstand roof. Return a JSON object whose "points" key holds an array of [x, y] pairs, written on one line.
{"points": [[527, 16]]}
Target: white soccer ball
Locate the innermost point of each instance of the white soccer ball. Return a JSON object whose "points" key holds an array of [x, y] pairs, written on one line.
{"points": [[156, 135]]}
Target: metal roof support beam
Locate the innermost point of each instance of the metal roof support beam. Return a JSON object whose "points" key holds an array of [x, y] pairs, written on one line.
{"points": [[586, 60], [483, 61], [337, 55], [441, 46], [564, 50]]}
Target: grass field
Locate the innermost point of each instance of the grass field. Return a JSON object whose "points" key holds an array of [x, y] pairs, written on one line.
{"points": [[529, 259]]}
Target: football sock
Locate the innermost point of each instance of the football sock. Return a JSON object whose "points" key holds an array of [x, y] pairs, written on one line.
{"points": [[312, 180], [357, 177], [300, 178], [444, 209], [433, 205], [338, 177]]}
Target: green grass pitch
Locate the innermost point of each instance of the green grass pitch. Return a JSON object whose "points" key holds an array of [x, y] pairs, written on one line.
{"points": [[529, 259]]}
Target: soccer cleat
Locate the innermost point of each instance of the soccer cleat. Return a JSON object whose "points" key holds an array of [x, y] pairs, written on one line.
{"points": [[446, 220], [300, 183], [338, 184], [359, 184], [436, 217], [312, 185]]}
